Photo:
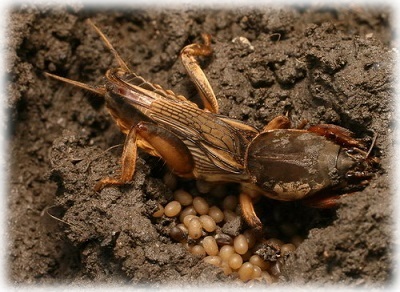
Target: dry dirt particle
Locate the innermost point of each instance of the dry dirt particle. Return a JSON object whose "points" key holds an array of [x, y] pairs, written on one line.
{"points": [[326, 65]]}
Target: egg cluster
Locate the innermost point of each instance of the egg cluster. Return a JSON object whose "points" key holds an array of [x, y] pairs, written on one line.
{"points": [[199, 227]]}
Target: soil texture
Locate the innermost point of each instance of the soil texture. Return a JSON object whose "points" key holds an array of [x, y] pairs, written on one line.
{"points": [[324, 64]]}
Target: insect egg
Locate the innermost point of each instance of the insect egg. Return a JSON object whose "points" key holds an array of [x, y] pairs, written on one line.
{"points": [[210, 245], [256, 260], [213, 260], [159, 212], [246, 271], [235, 261], [177, 234], [182, 227], [183, 197], [194, 227], [240, 244], [208, 223], [200, 229], [200, 205], [172, 209], [216, 213], [230, 203], [187, 219], [223, 239], [229, 215], [189, 210], [267, 277], [287, 248], [226, 252], [256, 272], [275, 242], [226, 268], [198, 250]]}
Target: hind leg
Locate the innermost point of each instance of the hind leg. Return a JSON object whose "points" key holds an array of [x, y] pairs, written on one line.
{"points": [[196, 74], [162, 143]]}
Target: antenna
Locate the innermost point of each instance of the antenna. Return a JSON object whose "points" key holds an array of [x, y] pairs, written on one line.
{"points": [[101, 90], [121, 62]]}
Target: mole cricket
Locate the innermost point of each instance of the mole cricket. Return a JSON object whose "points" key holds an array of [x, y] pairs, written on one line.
{"points": [[315, 164]]}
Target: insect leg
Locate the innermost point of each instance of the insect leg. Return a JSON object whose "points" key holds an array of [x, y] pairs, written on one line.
{"points": [[326, 201], [339, 135], [279, 122], [163, 144], [246, 204], [128, 163], [197, 75]]}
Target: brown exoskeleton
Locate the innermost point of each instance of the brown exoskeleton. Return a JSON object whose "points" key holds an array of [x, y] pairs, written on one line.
{"points": [[278, 162]]}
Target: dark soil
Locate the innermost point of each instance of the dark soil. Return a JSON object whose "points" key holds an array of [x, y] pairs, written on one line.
{"points": [[327, 65]]}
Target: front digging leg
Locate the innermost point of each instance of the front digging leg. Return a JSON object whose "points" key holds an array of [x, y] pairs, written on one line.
{"points": [[324, 201], [248, 213], [337, 134]]}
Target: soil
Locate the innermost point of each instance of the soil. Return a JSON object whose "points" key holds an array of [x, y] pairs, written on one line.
{"points": [[324, 64]]}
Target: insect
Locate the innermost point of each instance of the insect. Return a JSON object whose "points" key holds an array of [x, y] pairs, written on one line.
{"points": [[277, 161]]}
